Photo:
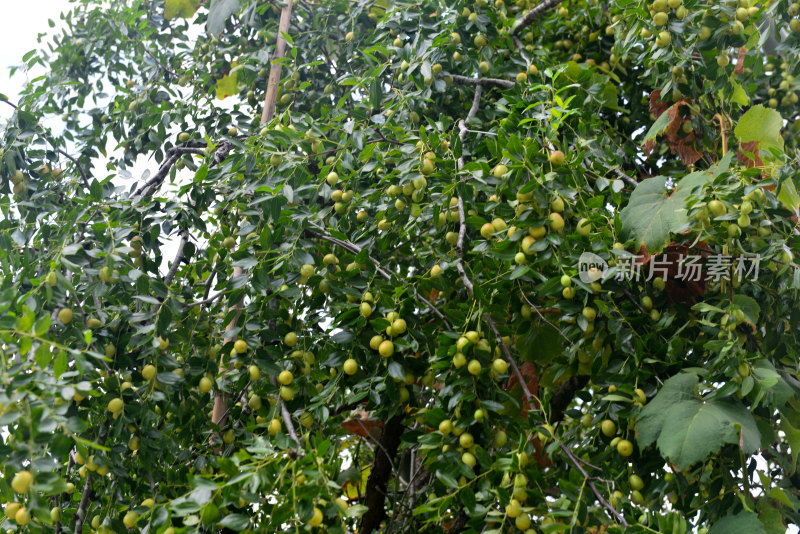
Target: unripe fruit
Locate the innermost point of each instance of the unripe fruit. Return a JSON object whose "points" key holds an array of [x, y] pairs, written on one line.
{"points": [[254, 372], [55, 514], [487, 230], [229, 242], [23, 516], [636, 482], [11, 509], [583, 227], [115, 406], [608, 428], [65, 315], [130, 519], [332, 178], [469, 459], [285, 378], [386, 348], [474, 367], [365, 309], [290, 339], [350, 366], [149, 372], [625, 448], [316, 518], [556, 221], [240, 346], [717, 208], [349, 36], [556, 157], [499, 171]]}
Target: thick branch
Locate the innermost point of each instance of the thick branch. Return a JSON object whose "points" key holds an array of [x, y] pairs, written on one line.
{"points": [[563, 397], [275, 69], [177, 261], [483, 82], [375, 494], [534, 14]]}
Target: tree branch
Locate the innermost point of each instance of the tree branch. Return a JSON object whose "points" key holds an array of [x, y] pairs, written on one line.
{"points": [[534, 14], [271, 97], [564, 395], [178, 258], [613, 511], [375, 494], [482, 82]]}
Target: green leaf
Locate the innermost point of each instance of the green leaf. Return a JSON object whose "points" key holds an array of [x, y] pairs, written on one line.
{"points": [[792, 438], [237, 522], [180, 8], [653, 212], [689, 429], [742, 523], [788, 195], [218, 14], [739, 95], [761, 125]]}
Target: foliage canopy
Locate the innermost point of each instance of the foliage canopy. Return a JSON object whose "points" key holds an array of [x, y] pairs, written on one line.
{"points": [[366, 311]]}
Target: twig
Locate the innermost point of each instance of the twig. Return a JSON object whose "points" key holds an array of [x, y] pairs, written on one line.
{"points": [[510, 359], [355, 249], [154, 58], [59, 150], [483, 82], [533, 14], [287, 420], [203, 302], [613, 511], [542, 317]]}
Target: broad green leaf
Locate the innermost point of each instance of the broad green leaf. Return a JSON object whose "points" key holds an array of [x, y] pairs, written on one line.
{"points": [[742, 523], [218, 14], [689, 429], [180, 8], [761, 125]]}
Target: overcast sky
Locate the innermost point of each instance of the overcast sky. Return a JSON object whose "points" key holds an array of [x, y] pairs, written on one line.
{"points": [[20, 24]]}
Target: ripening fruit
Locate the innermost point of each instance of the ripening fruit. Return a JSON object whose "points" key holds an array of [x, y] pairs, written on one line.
{"points": [[240, 346], [625, 448], [22, 481], [608, 428], [436, 271], [11, 509], [386, 348], [115, 406], [589, 313], [163, 343], [500, 171], [523, 522], [500, 366], [316, 519], [350, 366], [23, 516], [65, 315], [349, 36], [290, 339], [149, 372], [487, 230], [55, 514], [556, 221], [274, 427], [183, 137], [583, 227], [469, 459], [556, 157], [285, 378], [255, 373], [130, 519], [522, 77]]}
